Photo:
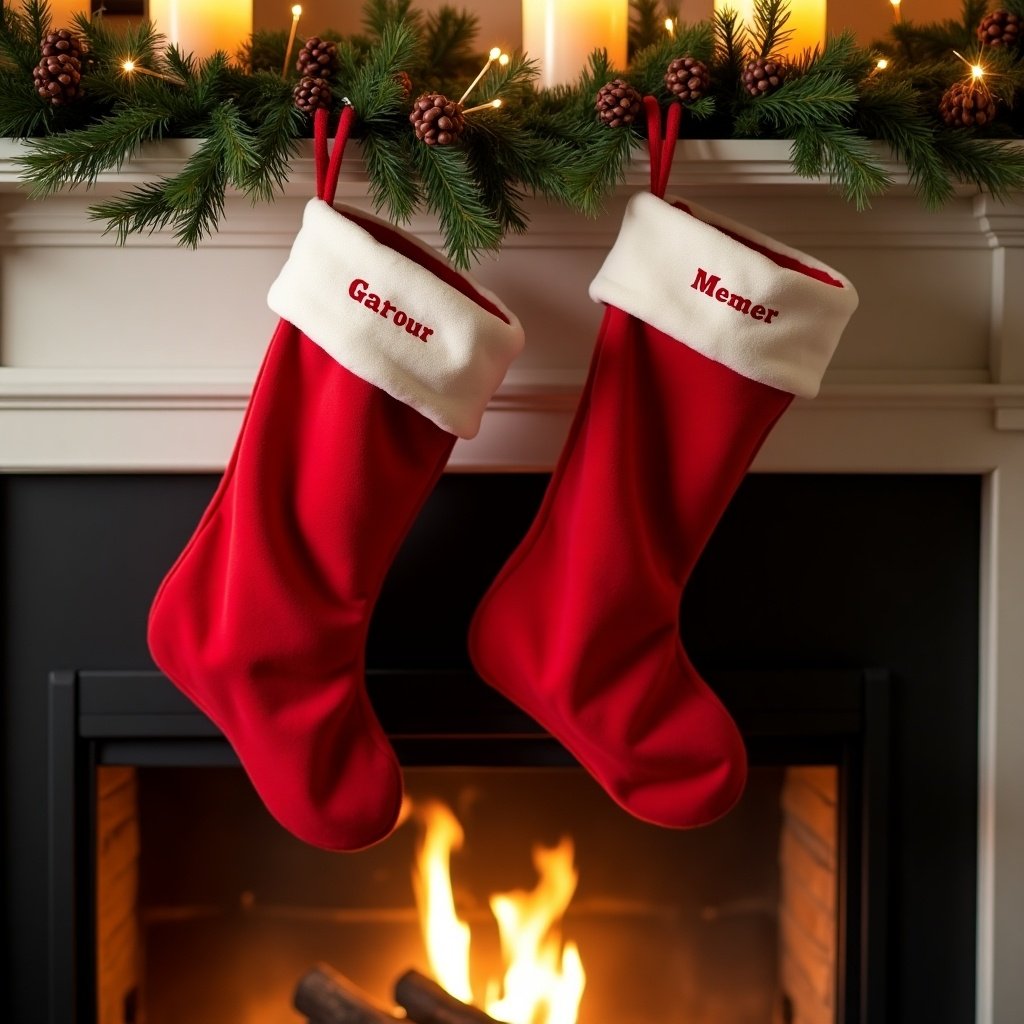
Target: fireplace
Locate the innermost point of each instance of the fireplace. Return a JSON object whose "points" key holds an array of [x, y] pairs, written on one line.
{"points": [[892, 504], [847, 705]]}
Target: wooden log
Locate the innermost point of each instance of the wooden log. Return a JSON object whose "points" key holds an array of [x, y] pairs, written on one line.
{"points": [[425, 1002], [327, 997]]}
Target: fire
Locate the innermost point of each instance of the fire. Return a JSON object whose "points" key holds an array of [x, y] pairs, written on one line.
{"points": [[544, 978], [446, 937]]}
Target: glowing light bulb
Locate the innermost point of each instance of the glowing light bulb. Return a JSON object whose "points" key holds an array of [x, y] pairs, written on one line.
{"points": [[128, 65], [882, 64], [495, 52], [503, 60], [297, 10], [977, 72]]}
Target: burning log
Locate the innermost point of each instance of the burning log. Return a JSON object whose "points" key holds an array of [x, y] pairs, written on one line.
{"points": [[327, 997], [425, 1002]]}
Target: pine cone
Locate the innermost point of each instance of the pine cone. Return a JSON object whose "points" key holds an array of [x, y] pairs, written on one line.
{"points": [[967, 105], [1000, 28], [311, 94], [688, 78], [618, 103], [438, 120], [317, 59], [403, 79], [58, 79], [62, 41], [762, 76]]}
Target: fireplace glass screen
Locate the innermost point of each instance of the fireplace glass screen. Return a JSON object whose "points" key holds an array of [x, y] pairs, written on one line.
{"points": [[524, 889]]}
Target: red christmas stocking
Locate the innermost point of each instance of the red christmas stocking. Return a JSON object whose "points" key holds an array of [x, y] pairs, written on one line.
{"points": [[384, 354], [710, 329]]}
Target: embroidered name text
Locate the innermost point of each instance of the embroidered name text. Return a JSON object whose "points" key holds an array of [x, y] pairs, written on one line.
{"points": [[708, 284], [359, 291]]}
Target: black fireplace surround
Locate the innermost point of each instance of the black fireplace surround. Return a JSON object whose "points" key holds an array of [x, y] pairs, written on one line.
{"points": [[837, 616]]}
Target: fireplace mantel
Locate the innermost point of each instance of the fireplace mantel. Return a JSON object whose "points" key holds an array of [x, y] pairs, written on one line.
{"points": [[139, 359]]}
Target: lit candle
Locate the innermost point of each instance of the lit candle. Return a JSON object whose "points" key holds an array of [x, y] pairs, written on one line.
{"points": [[896, 13], [562, 33], [199, 27], [806, 21], [296, 14]]}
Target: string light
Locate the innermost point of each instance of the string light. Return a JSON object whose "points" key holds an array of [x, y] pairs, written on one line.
{"points": [[494, 55], [977, 71], [493, 105], [130, 67], [882, 64], [296, 14]]}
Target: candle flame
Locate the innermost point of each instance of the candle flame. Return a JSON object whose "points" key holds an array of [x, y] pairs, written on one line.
{"points": [[670, 26], [544, 977]]}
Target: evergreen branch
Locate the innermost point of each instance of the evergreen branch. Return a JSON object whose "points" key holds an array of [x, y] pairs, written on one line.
{"points": [[392, 173], [76, 158], [278, 125], [890, 113], [599, 165], [264, 50], [196, 195], [22, 112], [447, 46], [845, 156], [646, 24], [700, 110], [730, 47], [512, 83], [19, 43], [374, 89], [994, 166], [501, 194], [144, 208], [807, 102], [379, 14], [37, 14], [111, 47], [467, 226], [235, 142], [769, 33], [842, 56], [647, 71]]}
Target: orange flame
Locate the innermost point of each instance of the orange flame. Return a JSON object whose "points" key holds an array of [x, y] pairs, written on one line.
{"points": [[544, 978], [446, 937]]}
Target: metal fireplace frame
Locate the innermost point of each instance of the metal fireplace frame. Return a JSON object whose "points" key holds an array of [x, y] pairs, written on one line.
{"points": [[839, 717]]}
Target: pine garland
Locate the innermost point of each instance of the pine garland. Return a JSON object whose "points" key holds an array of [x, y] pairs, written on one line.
{"points": [[835, 105]]}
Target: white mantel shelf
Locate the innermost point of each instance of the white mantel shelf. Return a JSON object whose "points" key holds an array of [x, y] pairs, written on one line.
{"points": [[140, 359]]}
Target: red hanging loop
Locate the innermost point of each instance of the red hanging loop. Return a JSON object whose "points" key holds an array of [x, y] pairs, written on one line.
{"points": [[328, 168], [653, 139], [672, 122], [320, 119]]}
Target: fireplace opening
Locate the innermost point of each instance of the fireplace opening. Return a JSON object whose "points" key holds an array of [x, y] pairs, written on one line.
{"points": [[208, 911], [808, 580]]}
